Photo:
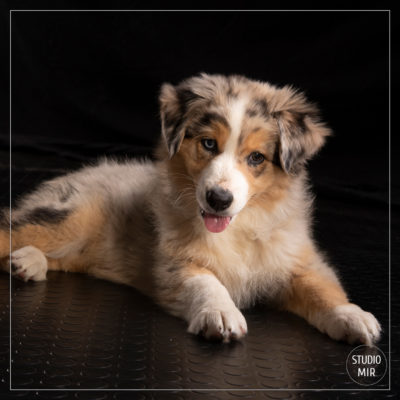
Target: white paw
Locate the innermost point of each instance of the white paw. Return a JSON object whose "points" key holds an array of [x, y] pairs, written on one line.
{"points": [[350, 323], [226, 325], [28, 263]]}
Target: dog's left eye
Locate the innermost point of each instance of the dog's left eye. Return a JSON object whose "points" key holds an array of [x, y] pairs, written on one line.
{"points": [[209, 144], [255, 158]]}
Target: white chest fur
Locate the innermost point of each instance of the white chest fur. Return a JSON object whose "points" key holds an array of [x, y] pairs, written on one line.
{"points": [[251, 266]]}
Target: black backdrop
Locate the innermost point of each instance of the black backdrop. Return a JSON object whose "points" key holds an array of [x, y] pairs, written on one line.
{"points": [[86, 83]]}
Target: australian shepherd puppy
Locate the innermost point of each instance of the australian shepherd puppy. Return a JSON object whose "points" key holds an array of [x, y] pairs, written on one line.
{"points": [[220, 221]]}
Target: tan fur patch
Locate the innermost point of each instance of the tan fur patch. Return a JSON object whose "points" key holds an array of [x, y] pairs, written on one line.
{"points": [[258, 140], [85, 225], [194, 155], [309, 293], [267, 182], [4, 243]]}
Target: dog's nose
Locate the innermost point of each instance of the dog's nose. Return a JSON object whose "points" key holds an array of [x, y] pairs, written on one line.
{"points": [[219, 199]]}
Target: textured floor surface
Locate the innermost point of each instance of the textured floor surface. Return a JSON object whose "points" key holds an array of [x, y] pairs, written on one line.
{"points": [[74, 332]]}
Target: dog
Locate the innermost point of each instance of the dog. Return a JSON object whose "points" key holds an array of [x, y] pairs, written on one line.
{"points": [[219, 221]]}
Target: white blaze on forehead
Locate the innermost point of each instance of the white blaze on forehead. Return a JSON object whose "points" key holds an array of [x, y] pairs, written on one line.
{"points": [[236, 112], [223, 171]]}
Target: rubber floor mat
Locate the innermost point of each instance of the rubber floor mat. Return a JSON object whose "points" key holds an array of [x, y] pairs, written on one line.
{"points": [[76, 332]]}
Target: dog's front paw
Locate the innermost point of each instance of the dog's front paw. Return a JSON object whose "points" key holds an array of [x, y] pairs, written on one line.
{"points": [[226, 325], [350, 323], [28, 263]]}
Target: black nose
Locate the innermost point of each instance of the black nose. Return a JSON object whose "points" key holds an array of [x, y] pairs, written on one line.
{"points": [[219, 199]]}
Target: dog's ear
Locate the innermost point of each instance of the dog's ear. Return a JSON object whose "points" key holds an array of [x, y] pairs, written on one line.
{"points": [[174, 103], [301, 133]]}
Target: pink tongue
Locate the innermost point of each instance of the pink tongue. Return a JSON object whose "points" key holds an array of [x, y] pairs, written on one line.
{"points": [[215, 223]]}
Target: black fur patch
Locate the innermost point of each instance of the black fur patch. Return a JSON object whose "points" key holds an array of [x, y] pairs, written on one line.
{"points": [[251, 112], [258, 107], [205, 120], [276, 160], [185, 96], [190, 133], [299, 126], [210, 117], [262, 106], [42, 216]]}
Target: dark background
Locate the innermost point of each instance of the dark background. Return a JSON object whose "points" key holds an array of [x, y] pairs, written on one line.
{"points": [[85, 84]]}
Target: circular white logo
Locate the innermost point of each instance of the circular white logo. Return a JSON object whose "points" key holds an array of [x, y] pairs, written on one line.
{"points": [[366, 365]]}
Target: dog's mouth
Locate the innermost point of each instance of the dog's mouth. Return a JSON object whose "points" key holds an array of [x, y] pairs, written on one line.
{"points": [[215, 223]]}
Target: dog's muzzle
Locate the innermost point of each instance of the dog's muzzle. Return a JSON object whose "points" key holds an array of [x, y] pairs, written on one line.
{"points": [[218, 199]]}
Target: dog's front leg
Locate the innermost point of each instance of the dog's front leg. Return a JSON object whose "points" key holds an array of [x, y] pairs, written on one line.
{"points": [[202, 300], [316, 295]]}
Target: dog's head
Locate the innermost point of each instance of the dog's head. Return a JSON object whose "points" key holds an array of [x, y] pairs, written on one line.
{"points": [[236, 140]]}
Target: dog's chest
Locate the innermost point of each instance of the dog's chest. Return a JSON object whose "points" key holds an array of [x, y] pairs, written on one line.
{"points": [[249, 268]]}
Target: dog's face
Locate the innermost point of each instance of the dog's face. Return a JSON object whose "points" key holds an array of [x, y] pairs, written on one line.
{"points": [[236, 140]]}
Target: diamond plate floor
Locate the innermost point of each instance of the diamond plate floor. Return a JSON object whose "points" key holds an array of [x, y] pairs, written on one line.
{"points": [[75, 332]]}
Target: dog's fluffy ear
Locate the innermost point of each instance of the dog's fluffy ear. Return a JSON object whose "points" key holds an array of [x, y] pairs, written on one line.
{"points": [[174, 103], [171, 118], [301, 132]]}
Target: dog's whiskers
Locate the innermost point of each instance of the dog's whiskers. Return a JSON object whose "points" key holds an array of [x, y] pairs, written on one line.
{"points": [[185, 194], [180, 175]]}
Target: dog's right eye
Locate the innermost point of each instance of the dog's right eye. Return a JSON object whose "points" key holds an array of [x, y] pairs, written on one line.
{"points": [[209, 144]]}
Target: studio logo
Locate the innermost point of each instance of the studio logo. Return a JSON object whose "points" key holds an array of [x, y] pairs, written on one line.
{"points": [[366, 365]]}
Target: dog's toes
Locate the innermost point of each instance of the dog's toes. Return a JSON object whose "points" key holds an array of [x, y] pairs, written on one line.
{"points": [[224, 325], [352, 324], [235, 326], [28, 263]]}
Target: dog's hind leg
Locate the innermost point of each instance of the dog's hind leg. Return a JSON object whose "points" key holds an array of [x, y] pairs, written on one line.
{"points": [[49, 238]]}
